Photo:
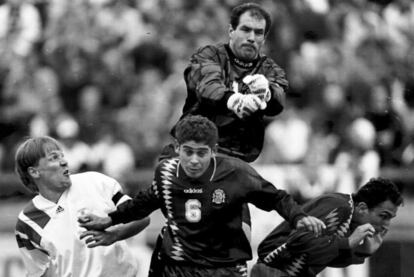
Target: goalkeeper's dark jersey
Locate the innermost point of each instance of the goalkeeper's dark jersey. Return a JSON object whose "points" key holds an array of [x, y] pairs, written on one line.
{"points": [[300, 253], [210, 79], [204, 215]]}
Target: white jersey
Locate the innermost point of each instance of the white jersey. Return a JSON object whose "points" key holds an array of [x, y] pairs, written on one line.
{"points": [[47, 233]]}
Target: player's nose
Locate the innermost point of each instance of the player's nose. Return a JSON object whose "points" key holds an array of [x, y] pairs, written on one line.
{"points": [[63, 162], [194, 159]]}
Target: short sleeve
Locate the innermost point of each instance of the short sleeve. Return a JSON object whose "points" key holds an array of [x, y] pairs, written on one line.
{"points": [[35, 259], [110, 188]]}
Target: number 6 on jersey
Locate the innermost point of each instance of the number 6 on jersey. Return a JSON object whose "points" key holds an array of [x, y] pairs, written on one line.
{"points": [[193, 210]]}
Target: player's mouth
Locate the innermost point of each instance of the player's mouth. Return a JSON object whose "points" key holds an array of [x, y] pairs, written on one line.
{"points": [[66, 172], [382, 230], [194, 170], [249, 47]]}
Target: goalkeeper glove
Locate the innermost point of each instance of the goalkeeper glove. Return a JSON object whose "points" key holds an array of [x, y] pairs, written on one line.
{"points": [[259, 85], [243, 104]]}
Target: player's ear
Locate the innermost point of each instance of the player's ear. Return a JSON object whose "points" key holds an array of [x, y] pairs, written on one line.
{"points": [[176, 146], [362, 208], [214, 149], [231, 30], [33, 172]]}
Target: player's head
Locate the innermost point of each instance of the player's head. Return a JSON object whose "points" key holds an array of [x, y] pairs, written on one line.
{"points": [[377, 203], [40, 159], [196, 144], [249, 24]]}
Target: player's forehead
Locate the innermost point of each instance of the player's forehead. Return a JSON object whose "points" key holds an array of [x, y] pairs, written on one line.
{"points": [[250, 20], [50, 148], [195, 146]]}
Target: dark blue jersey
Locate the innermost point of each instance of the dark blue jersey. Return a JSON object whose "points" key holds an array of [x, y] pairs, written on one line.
{"points": [[210, 78], [204, 215], [300, 253]]}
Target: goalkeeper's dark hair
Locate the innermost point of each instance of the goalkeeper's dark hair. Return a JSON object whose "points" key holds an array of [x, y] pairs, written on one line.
{"points": [[29, 153], [255, 10], [378, 190], [196, 128]]}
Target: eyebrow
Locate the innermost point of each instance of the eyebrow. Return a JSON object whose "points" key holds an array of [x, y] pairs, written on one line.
{"points": [[391, 214], [250, 28], [53, 152], [195, 149]]}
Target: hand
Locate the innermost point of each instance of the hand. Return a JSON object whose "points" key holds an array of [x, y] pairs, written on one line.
{"points": [[360, 233], [243, 104], [98, 238], [94, 222], [259, 85], [370, 244], [312, 224]]}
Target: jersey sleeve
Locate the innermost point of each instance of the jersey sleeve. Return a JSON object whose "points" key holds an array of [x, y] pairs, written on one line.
{"points": [[109, 188], [35, 259], [142, 205], [115, 191], [266, 196], [205, 76]]}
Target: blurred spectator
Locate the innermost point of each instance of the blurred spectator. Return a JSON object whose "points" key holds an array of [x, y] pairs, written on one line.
{"points": [[403, 104], [92, 115], [151, 54], [76, 151], [311, 180], [20, 27], [120, 25], [387, 125], [356, 158], [111, 155], [286, 138], [115, 77], [328, 123], [143, 121], [89, 63]]}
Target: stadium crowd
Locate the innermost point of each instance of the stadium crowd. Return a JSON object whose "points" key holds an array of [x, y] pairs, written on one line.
{"points": [[106, 78]]}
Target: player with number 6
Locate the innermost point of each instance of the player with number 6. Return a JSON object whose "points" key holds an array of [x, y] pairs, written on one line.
{"points": [[201, 195]]}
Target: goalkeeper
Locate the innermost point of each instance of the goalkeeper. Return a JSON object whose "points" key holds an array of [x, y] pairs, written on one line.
{"points": [[235, 86]]}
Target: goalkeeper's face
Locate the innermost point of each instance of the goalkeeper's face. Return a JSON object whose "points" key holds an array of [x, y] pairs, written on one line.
{"points": [[248, 37], [195, 158]]}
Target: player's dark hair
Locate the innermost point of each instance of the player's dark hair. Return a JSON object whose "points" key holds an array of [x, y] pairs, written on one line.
{"points": [[378, 190], [196, 128], [29, 153], [254, 9]]}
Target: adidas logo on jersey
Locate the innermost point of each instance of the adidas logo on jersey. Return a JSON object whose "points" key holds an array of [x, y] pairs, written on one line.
{"points": [[191, 190], [59, 209]]}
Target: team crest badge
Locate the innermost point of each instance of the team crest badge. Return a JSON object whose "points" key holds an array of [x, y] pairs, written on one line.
{"points": [[219, 197]]}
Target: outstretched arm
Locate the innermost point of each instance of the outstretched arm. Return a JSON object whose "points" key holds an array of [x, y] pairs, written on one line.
{"points": [[267, 197], [93, 222], [112, 234]]}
